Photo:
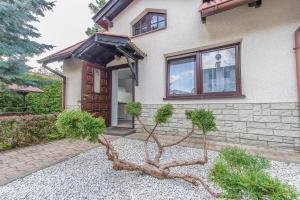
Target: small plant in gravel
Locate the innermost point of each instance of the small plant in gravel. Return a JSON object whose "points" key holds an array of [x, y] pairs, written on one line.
{"points": [[77, 124], [241, 175]]}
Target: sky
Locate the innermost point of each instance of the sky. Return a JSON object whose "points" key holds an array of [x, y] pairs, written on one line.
{"points": [[63, 26]]}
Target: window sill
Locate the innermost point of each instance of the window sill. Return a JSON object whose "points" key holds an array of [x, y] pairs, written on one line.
{"points": [[204, 97], [142, 34]]}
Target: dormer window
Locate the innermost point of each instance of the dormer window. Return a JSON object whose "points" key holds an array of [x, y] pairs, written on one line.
{"points": [[148, 23]]}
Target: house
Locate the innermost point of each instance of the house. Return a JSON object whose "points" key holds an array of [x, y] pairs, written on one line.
{"points": [[238, 58]]}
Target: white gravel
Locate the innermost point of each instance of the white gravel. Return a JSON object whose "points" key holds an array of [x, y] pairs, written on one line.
{"points": [[90, 176]]}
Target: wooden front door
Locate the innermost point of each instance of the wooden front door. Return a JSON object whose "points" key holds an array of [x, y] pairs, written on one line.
{"points": [[96, 99]]}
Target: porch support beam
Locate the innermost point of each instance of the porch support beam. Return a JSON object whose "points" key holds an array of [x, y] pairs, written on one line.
{"points": [[132, 65]]}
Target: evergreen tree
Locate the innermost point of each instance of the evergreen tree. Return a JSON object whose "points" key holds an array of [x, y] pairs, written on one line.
{"points": [[95, 7], [17, 36]]}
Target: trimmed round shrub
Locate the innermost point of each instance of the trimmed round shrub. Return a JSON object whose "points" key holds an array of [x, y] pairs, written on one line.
{"points": [[77, 124]]}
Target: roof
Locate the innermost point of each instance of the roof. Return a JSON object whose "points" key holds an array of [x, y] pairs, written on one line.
{"points": [[24, 89], [62, 54], [100, 48], [211, 7], [109, 11]]}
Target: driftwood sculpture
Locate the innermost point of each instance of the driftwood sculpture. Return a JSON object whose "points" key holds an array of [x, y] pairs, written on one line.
{"points": [[203, 120]]}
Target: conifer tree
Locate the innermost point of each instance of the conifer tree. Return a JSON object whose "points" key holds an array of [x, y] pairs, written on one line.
{"points": [[17, 36], [95, 7]]}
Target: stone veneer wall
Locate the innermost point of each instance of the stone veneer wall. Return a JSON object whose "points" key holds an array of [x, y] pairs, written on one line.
{"points": [[274, 125]]}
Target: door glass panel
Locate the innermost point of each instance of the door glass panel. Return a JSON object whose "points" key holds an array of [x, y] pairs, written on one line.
{"points": [[219, 73], [182, 77], [97, 81]]}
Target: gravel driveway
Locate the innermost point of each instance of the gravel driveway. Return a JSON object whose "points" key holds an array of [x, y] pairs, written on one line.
{"points": [[90, 176]]}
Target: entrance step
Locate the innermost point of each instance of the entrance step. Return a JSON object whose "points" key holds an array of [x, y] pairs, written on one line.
{"points": [[119, 131]]}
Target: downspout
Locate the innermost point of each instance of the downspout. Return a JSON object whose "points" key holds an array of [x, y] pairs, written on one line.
{"points": [[297, 51], [64, 84]]}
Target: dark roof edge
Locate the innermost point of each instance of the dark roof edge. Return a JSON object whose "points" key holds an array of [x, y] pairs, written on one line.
{"points": [[110, 10]]}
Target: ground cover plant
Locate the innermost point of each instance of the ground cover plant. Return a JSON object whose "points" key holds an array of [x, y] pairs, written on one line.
{"points": [[238, 173], [18, 131], [241, 174]]}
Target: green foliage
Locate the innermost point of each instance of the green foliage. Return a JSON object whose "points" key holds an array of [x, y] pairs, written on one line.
{"points": [[26, 130], [163, 114], [38, 103], [17, 36], [11, 102], [241, 175], [203, 119], [47, 102], [80, 125], [133, 108], [95, 7]]}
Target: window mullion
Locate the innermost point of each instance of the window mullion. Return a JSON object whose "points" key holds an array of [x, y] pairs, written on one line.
{"points": [[199, 73]]}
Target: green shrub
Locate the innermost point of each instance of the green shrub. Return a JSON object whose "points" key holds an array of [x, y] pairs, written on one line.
{"points": [[133, 108], [26, 130], [79, 125], [203, 119], [163, 114], [241, 175], [47, 102]]}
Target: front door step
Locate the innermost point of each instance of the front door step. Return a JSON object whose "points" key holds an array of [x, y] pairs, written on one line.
{"points": [[119, 131]]}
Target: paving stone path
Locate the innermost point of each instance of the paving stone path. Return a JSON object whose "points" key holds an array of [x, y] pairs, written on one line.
{"points": [[17, 163]]}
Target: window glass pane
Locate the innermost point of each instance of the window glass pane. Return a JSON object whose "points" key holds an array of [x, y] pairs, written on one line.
{"points": [[137, 31], [162, 24], [219, 71], [144, 25], [97, 80], [154, 26], [154, 19], [182, 77], [161, 18]]}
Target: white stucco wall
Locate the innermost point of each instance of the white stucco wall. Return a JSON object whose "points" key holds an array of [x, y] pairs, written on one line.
{"points": [[72, 69], [267, 35]]}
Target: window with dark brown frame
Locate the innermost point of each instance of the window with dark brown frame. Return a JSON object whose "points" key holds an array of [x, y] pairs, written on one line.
{"points": [[205, 74], [150, 22]]}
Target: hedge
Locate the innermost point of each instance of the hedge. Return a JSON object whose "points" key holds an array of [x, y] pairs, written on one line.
{"points": [[18, 131]]}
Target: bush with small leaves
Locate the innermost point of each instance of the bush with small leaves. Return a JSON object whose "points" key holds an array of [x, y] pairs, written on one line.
{"points": [[163, 114], [133, 108], [203, 119], [242, 175], [80, 125]]}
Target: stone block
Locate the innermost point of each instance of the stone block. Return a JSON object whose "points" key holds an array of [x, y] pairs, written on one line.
{"points": [[239, 126], [290, 120], [278, 126], [254, 142], [243, 106], [230, 112], [245, 115], [281, 112], [248, 136], [256, 125], [286, 133], [283, 106], [266, 118], [260, 131], [271, 138]]}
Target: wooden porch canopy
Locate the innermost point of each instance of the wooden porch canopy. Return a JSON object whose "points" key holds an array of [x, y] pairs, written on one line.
{"points": [[212, 7], [101, 49]]}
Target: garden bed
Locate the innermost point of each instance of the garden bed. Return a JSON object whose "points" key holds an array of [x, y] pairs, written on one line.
{"points": [[90, 176]]}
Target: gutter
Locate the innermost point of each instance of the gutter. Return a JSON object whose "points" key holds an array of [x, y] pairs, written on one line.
{"points": [[297, 51], [64, 84]]}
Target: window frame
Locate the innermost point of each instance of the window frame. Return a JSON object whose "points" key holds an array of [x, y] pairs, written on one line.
{"points": [[147, 17], [199, 75]]}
